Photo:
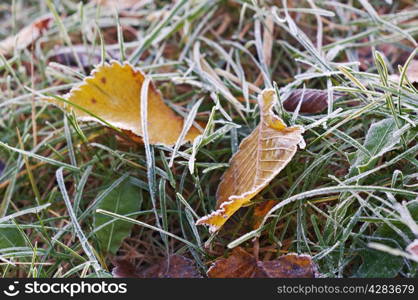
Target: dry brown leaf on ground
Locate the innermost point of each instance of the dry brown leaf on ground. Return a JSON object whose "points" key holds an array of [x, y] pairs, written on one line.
{"points": [[241, 264], [26, 36], [111, 94], [313, 101], [173, 266], [260, 157], [260, 210]]}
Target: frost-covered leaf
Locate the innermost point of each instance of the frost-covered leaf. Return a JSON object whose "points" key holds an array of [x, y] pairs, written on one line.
{"points": [[381, 138], [381, 264], [313, 100], [241, 264], [111, 95], [261, 156]]}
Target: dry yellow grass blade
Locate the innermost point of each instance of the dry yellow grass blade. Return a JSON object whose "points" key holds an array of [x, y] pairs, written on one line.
{"points": [[112, 93], [261, 156]]}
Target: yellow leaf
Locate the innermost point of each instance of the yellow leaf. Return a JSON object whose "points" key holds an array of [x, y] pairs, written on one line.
{"points": [[112, 93], [260, 157]]}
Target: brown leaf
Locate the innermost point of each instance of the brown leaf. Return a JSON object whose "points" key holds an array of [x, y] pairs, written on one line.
{"points": [[174, 266], [313, 101], [111, 95], [260, 210], [289, 266], [260, 157], [26, 36], [241, 264]]}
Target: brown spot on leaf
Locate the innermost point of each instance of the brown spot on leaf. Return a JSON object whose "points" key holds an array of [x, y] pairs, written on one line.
{"points": [[103, 80], [93, 100]]}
